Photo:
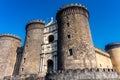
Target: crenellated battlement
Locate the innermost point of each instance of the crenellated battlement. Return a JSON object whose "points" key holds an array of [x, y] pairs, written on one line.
{"points": [[74, 8], [10, 35], [37, 21], [82, 70], [73, 4], [80, 74]]}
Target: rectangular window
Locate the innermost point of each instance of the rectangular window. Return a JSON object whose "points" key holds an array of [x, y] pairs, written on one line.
{"points": [[68, 24], [68, 36], [70, 52]]}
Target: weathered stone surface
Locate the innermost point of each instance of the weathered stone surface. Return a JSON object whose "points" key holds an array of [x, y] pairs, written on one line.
{"points": [[103, 59], [8, 52], [74, 34], [32, 48], [84, 74], [77, 58], [18, 60], [114, 50]]}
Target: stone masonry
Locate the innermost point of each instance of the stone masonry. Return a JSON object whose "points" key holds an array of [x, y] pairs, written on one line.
{"points": [[75, 47], [32, 48], [8, 52], [61, 50]]}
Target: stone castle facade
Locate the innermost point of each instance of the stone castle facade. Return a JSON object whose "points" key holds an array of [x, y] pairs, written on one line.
{"points": [[61, 50]]}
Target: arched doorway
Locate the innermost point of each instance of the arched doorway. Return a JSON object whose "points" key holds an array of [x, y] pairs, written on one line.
{"points": [[49, 65]]}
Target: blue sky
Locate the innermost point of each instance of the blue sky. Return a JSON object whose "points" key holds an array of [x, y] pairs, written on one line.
{"points": [[104, 17]]}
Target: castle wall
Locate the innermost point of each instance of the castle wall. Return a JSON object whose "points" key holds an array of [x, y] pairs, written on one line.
{"points": [[75, 47], [32, 48], [103, 59], [78, 74], [8, 52]]}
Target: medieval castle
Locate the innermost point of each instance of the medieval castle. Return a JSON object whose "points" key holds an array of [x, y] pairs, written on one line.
{"points": [[61, 50]]}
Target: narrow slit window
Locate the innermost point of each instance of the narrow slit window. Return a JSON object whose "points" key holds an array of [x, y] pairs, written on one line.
{"points": [[22, 69], [70, 52], [24, 60]]}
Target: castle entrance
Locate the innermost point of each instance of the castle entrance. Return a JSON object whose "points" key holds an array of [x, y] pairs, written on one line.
{"points": [[49, 65]]}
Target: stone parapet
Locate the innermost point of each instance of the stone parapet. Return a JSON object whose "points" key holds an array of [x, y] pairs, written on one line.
{"points": [[84, 74], [74, 8], [10, 35], [21, 77], [78, 74], [34, 24]]}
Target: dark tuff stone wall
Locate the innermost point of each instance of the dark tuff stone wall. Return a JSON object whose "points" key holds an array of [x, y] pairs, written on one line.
{"points": [[75, 47]]}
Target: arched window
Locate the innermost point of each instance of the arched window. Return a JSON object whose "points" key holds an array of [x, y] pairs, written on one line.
{"points": [[49, 65]]}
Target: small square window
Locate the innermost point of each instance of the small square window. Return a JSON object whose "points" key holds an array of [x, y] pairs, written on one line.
{"points": [[68, 24], [69, 36]]}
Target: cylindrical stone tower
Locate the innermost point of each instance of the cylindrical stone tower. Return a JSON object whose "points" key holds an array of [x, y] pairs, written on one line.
{"points": [[114, 50], [75, 47], [31, 54], [8, 52]]}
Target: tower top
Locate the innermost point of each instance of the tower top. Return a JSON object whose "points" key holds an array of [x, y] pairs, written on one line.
{"points": [[112, 45], [10, 35], [37, 21], [73, 5], [73, 8]]}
